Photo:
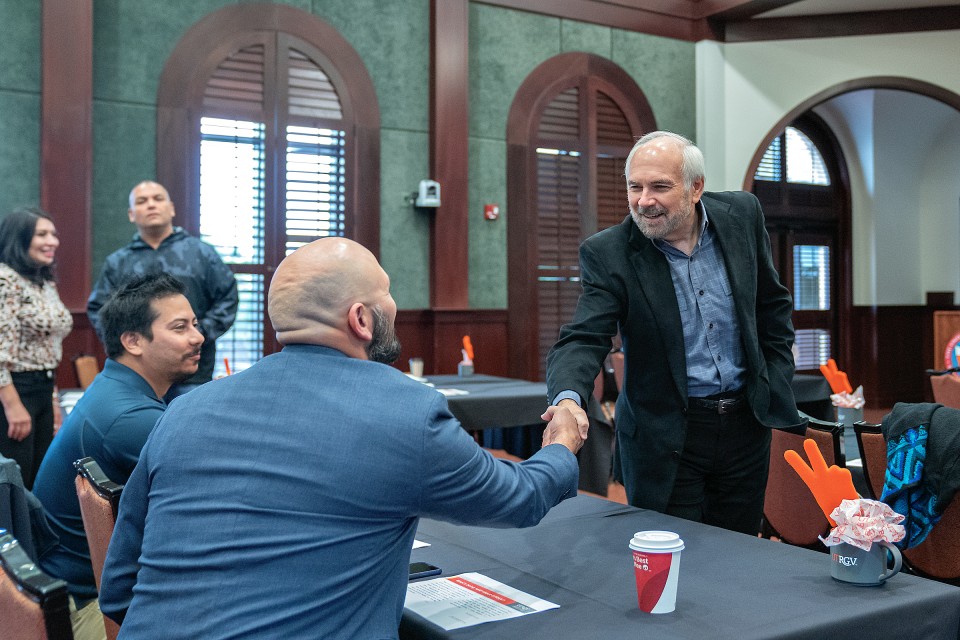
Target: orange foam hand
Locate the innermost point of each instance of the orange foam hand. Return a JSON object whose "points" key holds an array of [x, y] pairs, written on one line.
{"points": [[830, 485]]}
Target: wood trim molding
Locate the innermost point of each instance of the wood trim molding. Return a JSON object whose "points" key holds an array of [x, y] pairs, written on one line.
{"points": [[449, 152], [841, 24], [660, 20], [66, 139]]}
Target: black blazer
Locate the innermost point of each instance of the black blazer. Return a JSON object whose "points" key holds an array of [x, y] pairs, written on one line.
{"points": [[627, 287]]}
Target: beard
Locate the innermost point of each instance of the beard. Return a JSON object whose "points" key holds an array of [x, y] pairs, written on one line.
{"points": [[670, 221], [384, 347]]}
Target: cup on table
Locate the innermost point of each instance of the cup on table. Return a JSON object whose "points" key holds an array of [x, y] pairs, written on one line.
{"points": [[849, 415], [416, 367], [864, 568], [656, 567]]}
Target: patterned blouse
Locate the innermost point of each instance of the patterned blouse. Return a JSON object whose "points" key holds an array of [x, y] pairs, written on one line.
{"points": [[33, 324]]}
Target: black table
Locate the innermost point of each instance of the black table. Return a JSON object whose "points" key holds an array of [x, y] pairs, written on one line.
{"points": [[812, 393], [493, 402], [731, 585]]}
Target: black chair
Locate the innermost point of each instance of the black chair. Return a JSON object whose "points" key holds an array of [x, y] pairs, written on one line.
{"points": [[790, 512], [33, 605]]}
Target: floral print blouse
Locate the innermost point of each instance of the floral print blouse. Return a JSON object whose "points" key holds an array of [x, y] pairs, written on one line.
{"points": [[33, 324]]}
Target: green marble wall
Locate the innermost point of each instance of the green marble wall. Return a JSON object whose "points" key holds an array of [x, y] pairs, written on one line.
{"points": [[134, 38], [505, 46], [19, 104]]}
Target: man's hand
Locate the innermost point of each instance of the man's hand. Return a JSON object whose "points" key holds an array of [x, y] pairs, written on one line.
{"points": [[563, 428], [18, 419], [830, 486], [583, 422]]}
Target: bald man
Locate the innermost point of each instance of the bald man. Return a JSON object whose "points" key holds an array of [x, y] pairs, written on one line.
{"points": [[282, 501], [160, 247]]}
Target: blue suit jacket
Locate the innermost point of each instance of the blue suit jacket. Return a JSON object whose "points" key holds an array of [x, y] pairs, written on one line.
{"points": [[627, 287], [282, 501]]}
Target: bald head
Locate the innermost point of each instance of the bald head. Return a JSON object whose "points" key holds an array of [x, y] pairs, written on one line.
{"points": [[324, 292]]}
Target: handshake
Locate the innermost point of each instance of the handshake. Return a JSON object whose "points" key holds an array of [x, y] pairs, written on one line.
{"points": [[567, 424]]}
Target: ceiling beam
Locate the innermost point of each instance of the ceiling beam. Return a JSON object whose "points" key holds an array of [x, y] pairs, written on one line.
{"points": [[842, 24]]}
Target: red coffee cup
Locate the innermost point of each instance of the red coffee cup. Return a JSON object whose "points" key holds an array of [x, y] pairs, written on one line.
{"points": [[656, 566]]}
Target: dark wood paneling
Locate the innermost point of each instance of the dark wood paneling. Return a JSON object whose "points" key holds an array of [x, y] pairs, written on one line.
{"points": [[66, 139], [892, 346], [437, 337], [81, 341], [449, 152]]}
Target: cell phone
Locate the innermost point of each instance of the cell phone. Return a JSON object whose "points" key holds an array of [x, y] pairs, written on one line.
{"points": [[422, 570]]}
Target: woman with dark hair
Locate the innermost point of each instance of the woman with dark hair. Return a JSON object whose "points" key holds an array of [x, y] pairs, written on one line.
{"points": [[33, 323]]}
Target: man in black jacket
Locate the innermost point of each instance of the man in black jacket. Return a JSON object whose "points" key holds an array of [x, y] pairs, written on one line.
{"points": [[688, 281]]}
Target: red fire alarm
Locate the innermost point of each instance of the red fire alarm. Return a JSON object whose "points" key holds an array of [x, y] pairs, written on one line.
{"points": [[491, 211]]}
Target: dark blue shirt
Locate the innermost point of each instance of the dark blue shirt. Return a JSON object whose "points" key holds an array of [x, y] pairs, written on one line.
{"points": [[711, 333], [110, 423]]}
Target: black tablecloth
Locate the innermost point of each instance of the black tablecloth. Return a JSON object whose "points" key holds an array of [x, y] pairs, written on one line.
{"points": [[731, 585], [812, 393], [492, 401]]}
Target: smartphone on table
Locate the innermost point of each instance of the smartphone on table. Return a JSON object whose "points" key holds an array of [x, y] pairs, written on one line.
{"points": [[423, 570]]}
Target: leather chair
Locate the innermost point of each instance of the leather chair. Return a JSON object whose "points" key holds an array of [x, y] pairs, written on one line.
{"points": [[790, 512], [33, 604], [938, 556], [99, 501]]}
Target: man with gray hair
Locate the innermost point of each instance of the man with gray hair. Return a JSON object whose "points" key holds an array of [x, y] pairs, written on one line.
{"points": [[688, 281]]}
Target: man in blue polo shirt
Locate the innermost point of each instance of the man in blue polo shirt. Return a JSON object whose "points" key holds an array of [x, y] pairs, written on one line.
{"points": [[151, 339]]}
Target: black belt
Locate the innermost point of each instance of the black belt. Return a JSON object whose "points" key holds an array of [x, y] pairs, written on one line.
{"points": [[25, 376], [720, 406]]}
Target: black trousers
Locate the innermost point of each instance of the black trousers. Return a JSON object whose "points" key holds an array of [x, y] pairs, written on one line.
{"points": [[36, 393], [723, 471]]}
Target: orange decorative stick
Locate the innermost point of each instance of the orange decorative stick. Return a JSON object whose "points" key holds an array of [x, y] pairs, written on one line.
{"points": [[226, 364], [468, 348], [830, 485]]}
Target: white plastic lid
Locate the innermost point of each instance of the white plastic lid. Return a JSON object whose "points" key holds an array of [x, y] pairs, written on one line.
{"points": [[656, 541]]}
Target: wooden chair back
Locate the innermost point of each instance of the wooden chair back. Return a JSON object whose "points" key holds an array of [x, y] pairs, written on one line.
{"points": [[790, 512], [33, 605], [87, 369]]}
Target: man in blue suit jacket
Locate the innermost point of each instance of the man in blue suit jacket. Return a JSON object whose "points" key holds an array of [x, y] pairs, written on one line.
{"points": [[688, 281], [282, 501]]}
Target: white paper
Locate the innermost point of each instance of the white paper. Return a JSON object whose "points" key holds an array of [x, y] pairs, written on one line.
{"points": [[468, 599], [454, 392], [419, 543]]}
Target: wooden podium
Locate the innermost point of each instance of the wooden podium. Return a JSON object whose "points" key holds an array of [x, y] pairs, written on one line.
{"points": [[946, 328]]}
